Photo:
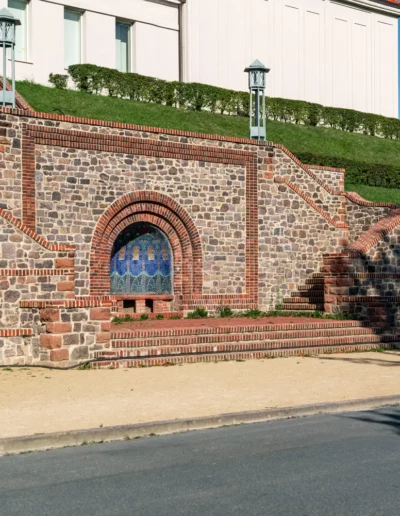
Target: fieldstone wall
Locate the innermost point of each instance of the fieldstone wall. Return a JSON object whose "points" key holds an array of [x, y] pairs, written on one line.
{"points": [[74, 187], [286, 167], [292, 241], [360, 217], [10, 164], [253, 221], [30, 271]]}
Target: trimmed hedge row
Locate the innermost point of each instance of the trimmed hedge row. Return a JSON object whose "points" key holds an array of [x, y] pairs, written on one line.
{"points": [[373, 174], [197, 97]]}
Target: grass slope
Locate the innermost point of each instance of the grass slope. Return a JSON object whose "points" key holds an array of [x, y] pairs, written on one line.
{"points": [[329, 142]]}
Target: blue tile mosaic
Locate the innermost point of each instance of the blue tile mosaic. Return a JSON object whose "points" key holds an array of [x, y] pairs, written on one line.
{"points": [[141, 262]]}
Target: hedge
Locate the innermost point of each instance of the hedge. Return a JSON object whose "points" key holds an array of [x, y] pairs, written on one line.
{"points": [[197, 97], [373, 174]]}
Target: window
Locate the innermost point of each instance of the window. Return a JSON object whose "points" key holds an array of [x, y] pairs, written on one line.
{"points": [[123, 47], [72, 38], [19, 10]]}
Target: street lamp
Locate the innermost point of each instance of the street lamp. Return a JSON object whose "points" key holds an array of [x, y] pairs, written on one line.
{"points": [[8, 26], [257, 82]]}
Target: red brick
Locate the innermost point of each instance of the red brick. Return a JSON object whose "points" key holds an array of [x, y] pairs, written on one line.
{"points": [[58, 327], [65, 286], [105, 326], [100, 314], [50, 341], [58, 355]]}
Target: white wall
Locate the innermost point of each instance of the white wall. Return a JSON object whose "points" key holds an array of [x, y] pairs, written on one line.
{"points": [[337, 53], [154, 41], [156, 51]]}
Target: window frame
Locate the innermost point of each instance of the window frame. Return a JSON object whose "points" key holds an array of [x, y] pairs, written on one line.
{"points": [[80, 32], [130, 25], [26, 25]]}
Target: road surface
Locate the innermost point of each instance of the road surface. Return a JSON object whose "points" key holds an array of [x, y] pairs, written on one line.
{"points": [[342, 465]]}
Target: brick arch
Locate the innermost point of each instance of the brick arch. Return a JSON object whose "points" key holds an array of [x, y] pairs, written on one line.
{"points": [[163, 212]]}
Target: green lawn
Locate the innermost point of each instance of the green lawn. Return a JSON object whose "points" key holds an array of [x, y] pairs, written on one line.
{"points": [[328, 142]]}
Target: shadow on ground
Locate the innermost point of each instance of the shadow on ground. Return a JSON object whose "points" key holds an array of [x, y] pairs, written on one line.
{"points": [[389, 417], [373, 360]]}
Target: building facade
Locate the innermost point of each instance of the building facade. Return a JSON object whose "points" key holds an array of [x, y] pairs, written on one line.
{"points": [[341, 53]]}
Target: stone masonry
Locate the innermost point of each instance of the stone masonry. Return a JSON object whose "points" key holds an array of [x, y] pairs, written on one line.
{"points": [[247, 224]]}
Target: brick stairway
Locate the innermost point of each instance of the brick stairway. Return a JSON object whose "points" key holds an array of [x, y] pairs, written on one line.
{"points": [[309, 297], [157, 346]]}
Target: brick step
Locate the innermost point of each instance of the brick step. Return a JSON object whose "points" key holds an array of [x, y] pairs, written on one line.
{"points": [[317, 300], [308, 294], [242, 337], [303, 307], [240, 355], [311, 288], [214, 307], [246, 346], [314, 281], [236, 328], [167, 315]]}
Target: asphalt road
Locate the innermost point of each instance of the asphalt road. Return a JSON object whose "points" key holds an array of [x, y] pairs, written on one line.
{"points": [[325, 465]]}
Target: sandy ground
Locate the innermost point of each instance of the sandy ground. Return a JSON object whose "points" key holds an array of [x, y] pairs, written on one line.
{"points": [[38, 400]]}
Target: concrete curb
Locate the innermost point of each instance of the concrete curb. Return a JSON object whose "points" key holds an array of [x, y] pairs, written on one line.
{"points": [[40, 442]]}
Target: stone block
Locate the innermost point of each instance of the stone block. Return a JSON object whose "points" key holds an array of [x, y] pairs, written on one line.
{"points": [[65, 286], [8, 251], [71, 339], [50, 341], [100, 314], [80, 353], [64, 263], [59, 355], [58, 327], [50, 315], [103, 337]]}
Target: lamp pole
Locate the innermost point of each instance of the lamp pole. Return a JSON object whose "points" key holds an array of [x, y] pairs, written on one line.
{"points": [[257, 83], [8, 24]]}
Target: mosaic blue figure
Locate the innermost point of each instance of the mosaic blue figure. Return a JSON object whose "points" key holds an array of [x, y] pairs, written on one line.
{"points": [[141, 262]]}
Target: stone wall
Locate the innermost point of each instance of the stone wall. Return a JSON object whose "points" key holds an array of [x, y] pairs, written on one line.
{"points": [[293, 238], [247, 224], [361, 214], [213, 195], [366, 279], [28, 270]]}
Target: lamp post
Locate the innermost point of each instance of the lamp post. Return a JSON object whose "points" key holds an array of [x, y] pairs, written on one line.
{"points": [[257, 82], [8, 26]]}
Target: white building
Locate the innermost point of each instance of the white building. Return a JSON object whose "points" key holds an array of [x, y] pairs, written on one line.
{"points": [[336, 52]]}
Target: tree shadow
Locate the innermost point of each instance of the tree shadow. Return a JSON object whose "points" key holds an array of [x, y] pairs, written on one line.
{"points": [[367, 361], [385, 416]]}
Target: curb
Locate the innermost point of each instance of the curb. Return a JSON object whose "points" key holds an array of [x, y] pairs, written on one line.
{"points": [[41, 442]]}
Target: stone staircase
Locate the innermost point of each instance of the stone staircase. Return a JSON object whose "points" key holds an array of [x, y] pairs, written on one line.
{"points": [[308, 297], [146, 347]]}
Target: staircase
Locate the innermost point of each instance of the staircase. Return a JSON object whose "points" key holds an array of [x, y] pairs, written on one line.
{"points": [[146, 347], [309, 297]]}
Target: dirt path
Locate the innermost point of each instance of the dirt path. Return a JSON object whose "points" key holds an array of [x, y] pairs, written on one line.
{"points": [[38, 400]]}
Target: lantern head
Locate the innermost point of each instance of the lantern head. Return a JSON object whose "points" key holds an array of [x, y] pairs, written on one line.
{"points": [[8, 24], [257, 74]]}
